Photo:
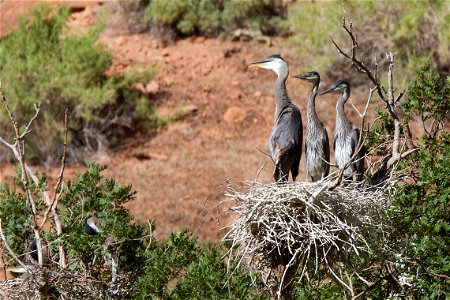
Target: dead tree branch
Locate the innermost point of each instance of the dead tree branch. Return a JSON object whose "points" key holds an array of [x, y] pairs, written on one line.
{"points": [[18, 149], [387, 95]]}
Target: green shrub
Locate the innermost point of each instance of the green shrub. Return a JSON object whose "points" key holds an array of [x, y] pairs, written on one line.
{"points": [[416, 30], [187, 17], [420, 211], [429, 98], [16, 219], [91, 195], [41, 62], [422, 221], [179, 268]]}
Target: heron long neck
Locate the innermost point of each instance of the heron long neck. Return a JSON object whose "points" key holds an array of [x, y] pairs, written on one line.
{"points": [[313, 120], [341, 119], [281, 94]]}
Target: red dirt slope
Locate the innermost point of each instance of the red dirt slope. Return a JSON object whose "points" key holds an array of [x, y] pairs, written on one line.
{"points": [[227, 109]]}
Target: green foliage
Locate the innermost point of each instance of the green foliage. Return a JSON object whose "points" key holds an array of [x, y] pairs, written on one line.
{"points": [[16, 220], [181, 268], [380, 134], [416, 30], [91, 195], [311, 25], [206, 17], [423, 220], [144, 76], [41, 62], [428, 96]]}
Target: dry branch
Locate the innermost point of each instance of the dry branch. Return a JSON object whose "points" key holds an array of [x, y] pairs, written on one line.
{"points": [[18, 149], [388, 98]]}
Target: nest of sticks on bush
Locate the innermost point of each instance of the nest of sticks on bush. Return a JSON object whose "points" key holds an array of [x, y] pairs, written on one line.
{"points": [[302, 226], [47, 283]]}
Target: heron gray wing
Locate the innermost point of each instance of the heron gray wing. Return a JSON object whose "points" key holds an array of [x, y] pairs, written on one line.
{"points": [[285, 140], [359, 158], [326, 150], [283, 136], [354, 136]]}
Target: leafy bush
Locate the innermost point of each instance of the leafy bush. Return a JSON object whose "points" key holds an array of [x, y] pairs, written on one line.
{"points": [[417, 30], [422, 221], [421, 208], [41, 62], [212, 17], [91, 195], [179, 268], [429, 98]]}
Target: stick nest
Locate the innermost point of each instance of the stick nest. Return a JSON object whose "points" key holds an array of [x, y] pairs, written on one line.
{"points": [[45, 283], [295, 223]]}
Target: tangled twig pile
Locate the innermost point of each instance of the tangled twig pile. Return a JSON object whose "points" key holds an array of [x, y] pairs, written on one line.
{"points": [[46, 283], [303, 224]]}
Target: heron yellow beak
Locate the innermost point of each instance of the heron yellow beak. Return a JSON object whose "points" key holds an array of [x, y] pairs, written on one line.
{"points": [[258, 63]]}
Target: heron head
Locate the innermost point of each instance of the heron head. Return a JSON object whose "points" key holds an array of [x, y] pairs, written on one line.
{"points": [[92, 226], [340, 85], [312, 77], [274, 62]]}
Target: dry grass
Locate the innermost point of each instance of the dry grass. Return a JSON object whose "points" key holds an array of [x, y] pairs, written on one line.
{"points": [[302, 224]]}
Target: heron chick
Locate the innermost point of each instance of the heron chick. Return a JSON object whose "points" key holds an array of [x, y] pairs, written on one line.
{"points": [[317, 149], [346, 136], [92, 226], [285, 141]]}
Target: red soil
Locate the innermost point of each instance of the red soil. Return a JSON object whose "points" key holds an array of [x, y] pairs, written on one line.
{"points": [[179, 173]]}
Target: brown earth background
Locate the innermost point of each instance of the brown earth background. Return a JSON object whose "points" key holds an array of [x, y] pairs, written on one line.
{"points": [[225, 114]]}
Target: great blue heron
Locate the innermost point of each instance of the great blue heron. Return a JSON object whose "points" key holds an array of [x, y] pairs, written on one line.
{"points": [[346, 136], [92, 226], [285, 139], [317, 149]]}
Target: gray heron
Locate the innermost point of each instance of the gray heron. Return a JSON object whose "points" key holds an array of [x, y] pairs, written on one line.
{"points": [[346, 136], [317, 149], [285, 139]]}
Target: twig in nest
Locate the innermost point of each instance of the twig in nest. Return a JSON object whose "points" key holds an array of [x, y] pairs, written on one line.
{"points": [[290, 224]]}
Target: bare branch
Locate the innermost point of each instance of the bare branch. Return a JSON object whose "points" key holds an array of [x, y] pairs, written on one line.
{"points": [[27, 128]]}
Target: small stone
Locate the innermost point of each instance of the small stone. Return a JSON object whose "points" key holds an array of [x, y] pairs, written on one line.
{"points": [[158, 156], [121, 40], [234, 115], [188, 109], [257, 94], [200, 40], [139, 86], [152, 87]]}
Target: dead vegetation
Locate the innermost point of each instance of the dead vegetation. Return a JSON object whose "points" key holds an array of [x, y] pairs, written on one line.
{"points": [[282, 228]]}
